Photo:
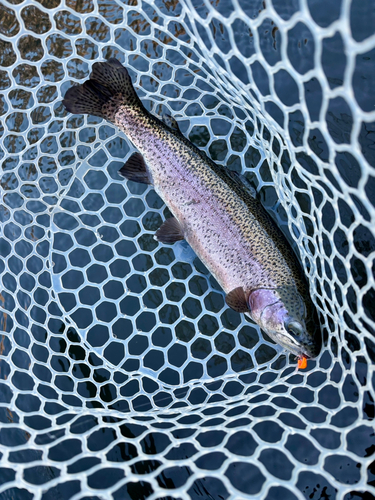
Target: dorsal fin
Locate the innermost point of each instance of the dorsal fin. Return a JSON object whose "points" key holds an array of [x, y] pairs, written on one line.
{"points": [[243, 182]]}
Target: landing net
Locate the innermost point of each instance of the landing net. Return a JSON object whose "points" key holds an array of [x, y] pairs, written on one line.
{"points": [[123, 373]]}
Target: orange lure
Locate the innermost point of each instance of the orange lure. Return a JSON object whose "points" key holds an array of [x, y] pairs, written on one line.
{"points": [[302, 363]]}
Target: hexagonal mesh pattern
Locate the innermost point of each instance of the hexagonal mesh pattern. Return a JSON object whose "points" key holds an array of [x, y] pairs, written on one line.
{"points": [[123, 373]]}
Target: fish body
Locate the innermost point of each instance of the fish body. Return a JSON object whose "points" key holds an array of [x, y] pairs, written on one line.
{"points": [[226, 226]]}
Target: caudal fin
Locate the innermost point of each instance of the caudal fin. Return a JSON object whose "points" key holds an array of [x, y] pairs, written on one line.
{"points": [[107, 80]]}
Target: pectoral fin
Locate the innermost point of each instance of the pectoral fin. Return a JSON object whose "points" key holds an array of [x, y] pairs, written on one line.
{"points": [[236, 300], [170, 231], [135, 169]]}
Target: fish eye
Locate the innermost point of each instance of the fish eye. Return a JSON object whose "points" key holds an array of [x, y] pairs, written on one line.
{"points": [[294, 328]]}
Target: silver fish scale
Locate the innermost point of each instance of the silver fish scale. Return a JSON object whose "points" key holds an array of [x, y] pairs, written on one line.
{"points": [[122, 372], [229, 239]]}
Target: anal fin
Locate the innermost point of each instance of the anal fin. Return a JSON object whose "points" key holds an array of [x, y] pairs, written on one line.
{"points": [[135, 170], [236, 300], [170, 231]]}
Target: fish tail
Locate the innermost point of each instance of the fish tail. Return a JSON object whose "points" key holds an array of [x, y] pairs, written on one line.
{"points": [[108, 81]]}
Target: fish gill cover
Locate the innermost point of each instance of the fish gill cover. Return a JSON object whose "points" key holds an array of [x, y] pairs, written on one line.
{"points": [[123, 372]]}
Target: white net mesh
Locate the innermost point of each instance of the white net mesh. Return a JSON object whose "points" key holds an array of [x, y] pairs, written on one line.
{"points": [[123, 374]]}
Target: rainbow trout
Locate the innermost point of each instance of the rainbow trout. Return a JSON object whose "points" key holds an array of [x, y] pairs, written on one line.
{"points": [[225, 225]]}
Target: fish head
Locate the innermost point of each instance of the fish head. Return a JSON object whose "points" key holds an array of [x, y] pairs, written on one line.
{"points": [[287, 319]]}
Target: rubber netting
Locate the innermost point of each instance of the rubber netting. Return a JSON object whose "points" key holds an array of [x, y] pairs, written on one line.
{"points": [[123, 373]]}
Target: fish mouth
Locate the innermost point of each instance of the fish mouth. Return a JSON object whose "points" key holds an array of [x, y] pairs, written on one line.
{"points": [[298, 336], [305, 349], [302, 345]]}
